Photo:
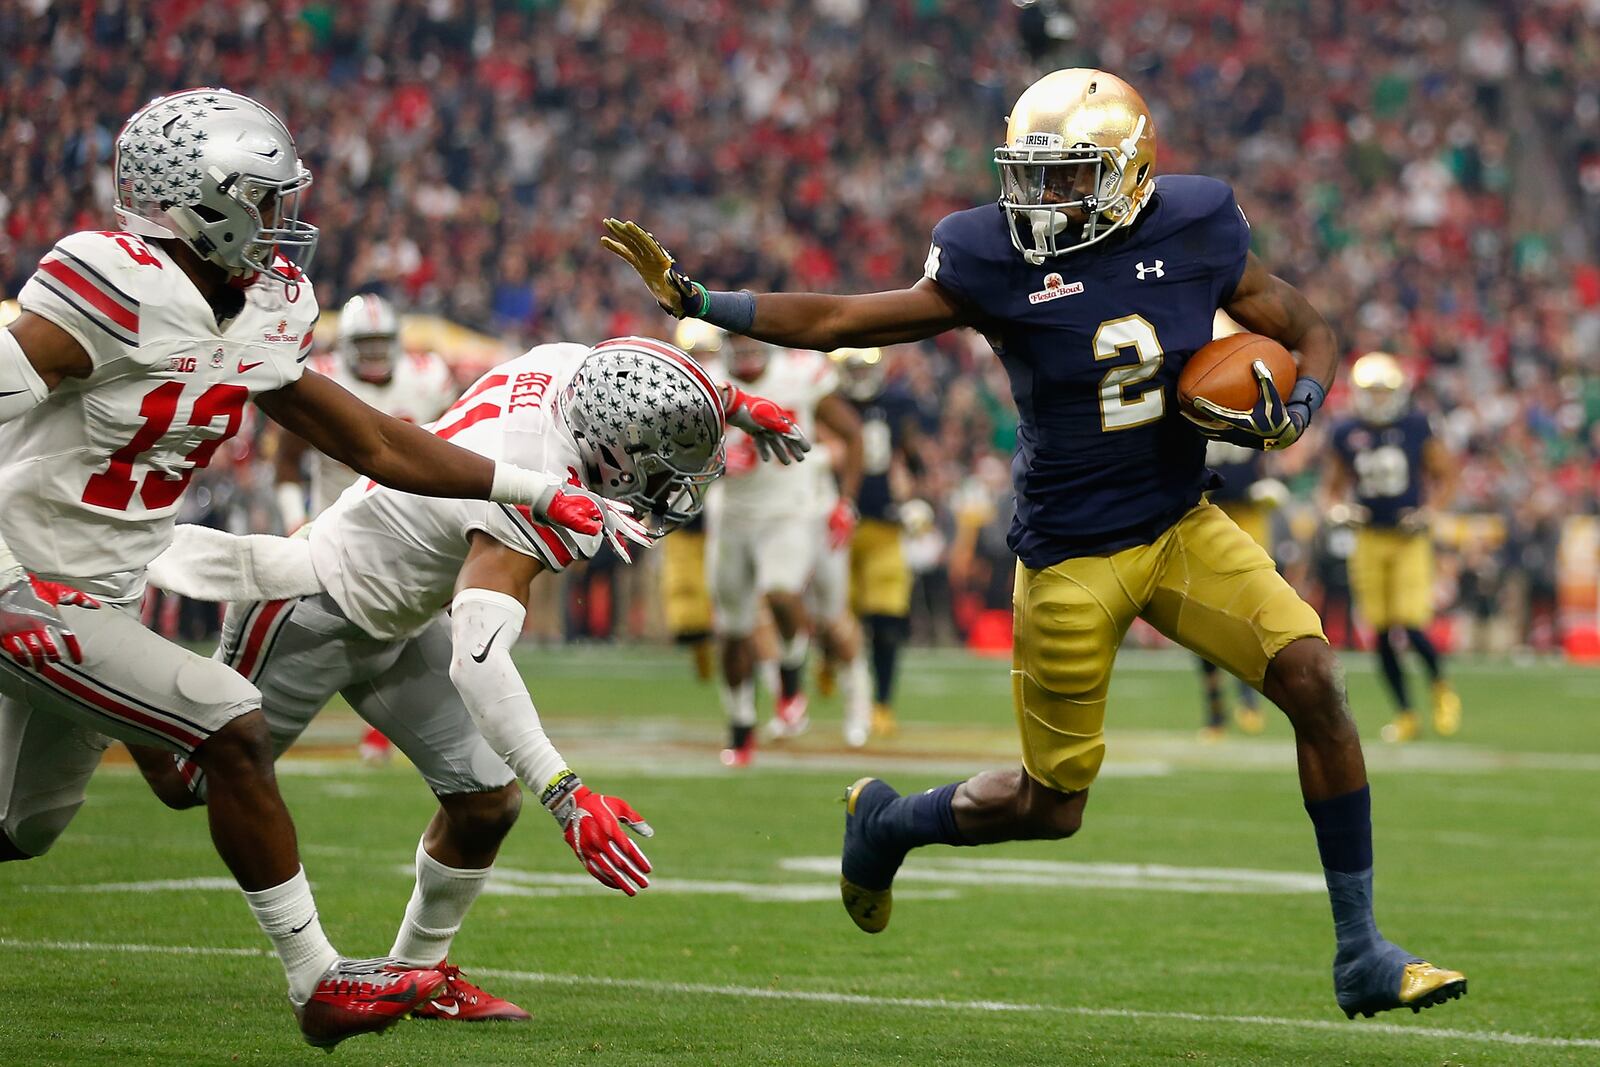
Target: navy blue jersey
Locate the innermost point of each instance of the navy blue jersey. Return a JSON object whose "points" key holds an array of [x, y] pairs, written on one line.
{"points": [[1093, 342], [884, 420], [1386, 462], [1237, 467]]}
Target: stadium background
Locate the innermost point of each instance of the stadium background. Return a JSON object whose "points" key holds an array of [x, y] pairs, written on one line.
{"points": [[1428, 172]]}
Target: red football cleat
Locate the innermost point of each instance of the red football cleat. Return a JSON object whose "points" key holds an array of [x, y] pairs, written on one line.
{"points": [[464, 1002], [790, 717], [362, 997], [741, 756]]}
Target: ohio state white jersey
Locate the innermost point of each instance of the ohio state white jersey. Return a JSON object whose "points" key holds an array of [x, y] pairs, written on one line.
{"points": [[419, 391], [91, 479], [795, 381], [390, 559]]}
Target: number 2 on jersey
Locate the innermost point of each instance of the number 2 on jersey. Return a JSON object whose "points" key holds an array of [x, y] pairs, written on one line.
{"points": [[113, 488], [1119, 410]]}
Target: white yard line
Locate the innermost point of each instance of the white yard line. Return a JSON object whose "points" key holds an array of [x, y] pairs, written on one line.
{"points": [[1054, 874], [815, 996]]}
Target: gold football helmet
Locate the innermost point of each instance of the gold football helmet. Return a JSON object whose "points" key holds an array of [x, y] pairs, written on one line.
{"points": [[700, 339], [1380, 391], [1078, 163], [861, 370]]}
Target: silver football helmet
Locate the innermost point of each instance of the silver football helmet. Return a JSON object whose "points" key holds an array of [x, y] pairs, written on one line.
{"points": [[369, 338], [649, 425], [219, 172]]}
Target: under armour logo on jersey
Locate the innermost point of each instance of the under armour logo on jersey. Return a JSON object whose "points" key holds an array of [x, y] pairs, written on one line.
{"points": [[1156, 269]]}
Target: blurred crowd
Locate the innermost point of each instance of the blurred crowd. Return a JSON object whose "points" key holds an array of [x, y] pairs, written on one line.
{"points": [[465, 151]]}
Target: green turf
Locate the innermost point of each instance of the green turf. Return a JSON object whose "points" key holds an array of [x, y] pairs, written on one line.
{"points": [[1488, 846]]}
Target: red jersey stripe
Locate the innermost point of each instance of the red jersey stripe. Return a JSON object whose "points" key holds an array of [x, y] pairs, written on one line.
{"points": [[106, 304]]}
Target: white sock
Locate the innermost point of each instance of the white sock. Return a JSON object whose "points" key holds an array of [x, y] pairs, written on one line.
{"points": [[288, 916], [738, 702], [795, 651], [854, 684], [767, 671], [438, 905]]}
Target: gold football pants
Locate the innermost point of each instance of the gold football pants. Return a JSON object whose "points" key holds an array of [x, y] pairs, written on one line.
{"points": [[1204, 583]]}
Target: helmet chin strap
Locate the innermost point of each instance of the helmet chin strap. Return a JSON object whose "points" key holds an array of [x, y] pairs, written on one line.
{"points": [[1045, 224]]}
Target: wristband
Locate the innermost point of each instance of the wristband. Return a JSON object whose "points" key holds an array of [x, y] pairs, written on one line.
{"points": [[562, 783], [518, 485], [734, 312], [1307, 395]]}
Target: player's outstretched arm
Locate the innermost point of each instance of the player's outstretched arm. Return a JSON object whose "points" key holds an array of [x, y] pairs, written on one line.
{"points": [[485, 618], [394, 453], [797, 320]]}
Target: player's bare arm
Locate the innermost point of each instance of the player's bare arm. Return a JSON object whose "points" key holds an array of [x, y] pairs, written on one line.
{"points": [[839, 416], [1266, 304], [486, 616], [401, 456], [797, 320], [52, 352], [1439, 486]]}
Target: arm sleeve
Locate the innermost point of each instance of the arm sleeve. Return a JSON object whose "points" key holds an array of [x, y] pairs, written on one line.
{"points": [[483, 626], [1228, 244], [86, 286], [943, 263]]}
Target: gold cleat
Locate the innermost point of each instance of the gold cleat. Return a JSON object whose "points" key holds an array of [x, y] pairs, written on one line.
{"points": [[1446, 709], [883, 721], [1249, 720], [869, 909], [1422, 985], [1402, 729], [1211, 735]]}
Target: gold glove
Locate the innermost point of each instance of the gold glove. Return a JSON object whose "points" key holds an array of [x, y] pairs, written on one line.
{"points": [[678, 295]]}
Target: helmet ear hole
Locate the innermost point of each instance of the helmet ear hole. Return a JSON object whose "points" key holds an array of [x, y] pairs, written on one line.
{"points": [[1139, 175]]}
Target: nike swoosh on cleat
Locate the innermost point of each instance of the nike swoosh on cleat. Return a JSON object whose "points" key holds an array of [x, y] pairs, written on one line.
{"points": [[483, 653], [448, 1008]]}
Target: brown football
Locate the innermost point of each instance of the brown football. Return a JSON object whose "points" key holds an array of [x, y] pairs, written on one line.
{"points": [[1221, 372]]}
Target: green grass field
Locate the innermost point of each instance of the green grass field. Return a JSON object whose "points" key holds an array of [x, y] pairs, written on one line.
{"points": [[1185, 923]]}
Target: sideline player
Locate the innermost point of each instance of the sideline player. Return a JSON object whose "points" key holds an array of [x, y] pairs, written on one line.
{"points": [[1095, 281], [1388, 457], [1245, 496], [128, 368], [370, 362], [880, 577], [634, 418], [761, 535]]}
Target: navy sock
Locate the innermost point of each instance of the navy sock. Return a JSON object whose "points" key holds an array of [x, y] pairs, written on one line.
{"points": [[1344, 840], [1389, 660], [919, 819], [1426, 649], [1213, 686], [887, 636]]}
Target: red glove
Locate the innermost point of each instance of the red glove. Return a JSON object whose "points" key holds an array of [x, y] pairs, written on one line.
{"points": [[841, 523], [775, 433], [592, 824], [30, 625], [581, 511]]}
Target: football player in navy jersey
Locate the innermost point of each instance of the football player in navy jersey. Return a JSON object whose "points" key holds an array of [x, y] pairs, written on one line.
{"points": [[880, 577], [1389, 458], [1094, 281]]}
